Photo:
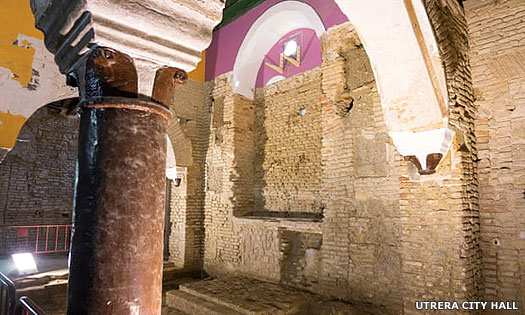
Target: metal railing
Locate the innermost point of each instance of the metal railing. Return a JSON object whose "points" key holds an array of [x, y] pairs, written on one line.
{"points": [[28, 307], [8, 303], [37, 238], [7, 296]]}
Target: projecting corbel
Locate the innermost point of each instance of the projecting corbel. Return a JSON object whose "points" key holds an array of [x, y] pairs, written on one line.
{"points": [[425, 149]]}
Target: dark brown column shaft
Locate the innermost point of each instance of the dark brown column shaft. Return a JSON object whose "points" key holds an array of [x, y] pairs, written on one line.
{"points": [[117, 243]]}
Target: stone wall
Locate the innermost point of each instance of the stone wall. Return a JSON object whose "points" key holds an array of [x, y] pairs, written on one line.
{"points": [[37, 176], [497, 40]]}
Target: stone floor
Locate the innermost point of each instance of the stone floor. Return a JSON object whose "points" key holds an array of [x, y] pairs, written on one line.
{"points": [[49, 290], [186, 293], [239, 295]]}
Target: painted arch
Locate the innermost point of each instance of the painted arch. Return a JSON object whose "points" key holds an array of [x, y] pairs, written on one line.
{"points": [[399, 40], [273, 24]]}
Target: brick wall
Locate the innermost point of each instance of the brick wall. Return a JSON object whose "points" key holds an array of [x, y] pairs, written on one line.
{"points": [[361, 227], [223, 184], [37, 176], [288, 146], [418, 239], [497, 38], [440, 213], [188, 132], [330, 161]]}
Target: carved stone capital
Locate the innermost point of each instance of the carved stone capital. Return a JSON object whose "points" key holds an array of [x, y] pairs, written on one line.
{"points": [[153, 32], [109, 72]]}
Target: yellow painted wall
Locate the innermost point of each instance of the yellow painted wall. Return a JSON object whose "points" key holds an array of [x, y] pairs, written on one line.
{"points": [[15, 18], [198, 73], [10, 126]]}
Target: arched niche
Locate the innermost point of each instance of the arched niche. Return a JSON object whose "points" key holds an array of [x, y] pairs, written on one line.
{"points": [[273, 24], [398, 39]]}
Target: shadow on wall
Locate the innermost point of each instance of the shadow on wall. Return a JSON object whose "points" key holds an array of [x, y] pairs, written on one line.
{"points": [[261, 189], [261, 138], [37, 176], [242, 174], [301, 258], [188, 132]]}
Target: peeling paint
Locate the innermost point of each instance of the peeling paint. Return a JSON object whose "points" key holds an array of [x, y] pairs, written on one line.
{"points": [[16, 20], [10, 126], [29, 77]]}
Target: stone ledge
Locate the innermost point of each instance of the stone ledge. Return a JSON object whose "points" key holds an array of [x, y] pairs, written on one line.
{"points": [[296, 224]]}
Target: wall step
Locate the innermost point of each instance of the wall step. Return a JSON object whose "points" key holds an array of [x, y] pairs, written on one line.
{"points": [[194, 305]]}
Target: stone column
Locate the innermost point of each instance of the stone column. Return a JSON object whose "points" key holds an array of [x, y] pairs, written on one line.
{"points": [[116, 252], [117, 242]]}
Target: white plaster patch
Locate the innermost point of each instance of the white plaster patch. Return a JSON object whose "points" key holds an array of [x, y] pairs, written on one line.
{"points": [[19, 100], [423, 143], [171, 163]]}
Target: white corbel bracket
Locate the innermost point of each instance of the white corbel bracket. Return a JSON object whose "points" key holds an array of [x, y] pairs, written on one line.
{"points": [[424, 145]]}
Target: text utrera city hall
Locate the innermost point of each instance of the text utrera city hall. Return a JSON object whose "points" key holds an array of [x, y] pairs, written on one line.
{"points": [[452, 305]]}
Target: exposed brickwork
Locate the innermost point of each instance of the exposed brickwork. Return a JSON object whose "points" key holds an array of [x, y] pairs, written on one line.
{"points": [[497, 37], [288, 143], [354, 253], [229, 173], [361, 229], [440, 214], [37, 176], [187, 132], [391, 248], [241, 174]]}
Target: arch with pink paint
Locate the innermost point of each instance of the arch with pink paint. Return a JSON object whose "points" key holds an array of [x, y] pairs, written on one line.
{"points": [[400, 43]]}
